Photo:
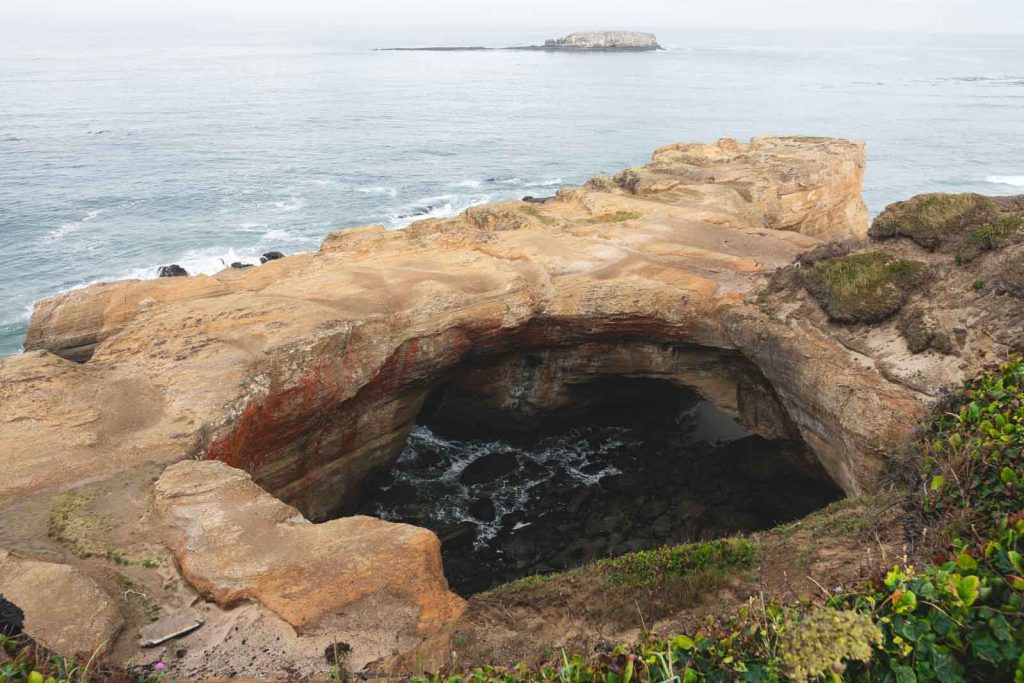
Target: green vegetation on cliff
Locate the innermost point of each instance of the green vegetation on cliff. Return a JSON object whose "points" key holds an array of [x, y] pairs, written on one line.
{"points": [[862, 288], [968, 224]]}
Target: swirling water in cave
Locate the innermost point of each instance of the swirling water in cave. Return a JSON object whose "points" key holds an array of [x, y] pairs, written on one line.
{"points": [[657, 465]]}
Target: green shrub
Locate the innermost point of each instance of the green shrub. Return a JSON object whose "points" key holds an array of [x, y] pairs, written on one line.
{"points": [[862, 288]]}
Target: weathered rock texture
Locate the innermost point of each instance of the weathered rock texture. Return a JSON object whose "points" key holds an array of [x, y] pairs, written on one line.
{"points": [[64, 609], [238, 543], [308, 372]]}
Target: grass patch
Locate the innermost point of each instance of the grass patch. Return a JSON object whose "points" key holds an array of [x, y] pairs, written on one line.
{"points": [[983, 238], [930, 220], [862, 288], [617, 217], [654, 567], [535, 213], [648, 584]]}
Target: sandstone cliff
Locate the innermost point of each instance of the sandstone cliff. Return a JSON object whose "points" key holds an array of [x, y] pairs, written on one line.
{"points": [[307, 374]]}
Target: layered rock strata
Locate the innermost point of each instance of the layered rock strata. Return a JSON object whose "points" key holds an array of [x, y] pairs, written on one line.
{"points": [[308, 372]]}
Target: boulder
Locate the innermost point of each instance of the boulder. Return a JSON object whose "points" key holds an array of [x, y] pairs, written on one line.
{"points": [[235, 543], [173, 270], [63, 608], [271, 256]]}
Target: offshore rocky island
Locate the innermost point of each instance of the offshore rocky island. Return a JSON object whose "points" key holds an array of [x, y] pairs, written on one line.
{"points": [[183, 457], [581, 41]]}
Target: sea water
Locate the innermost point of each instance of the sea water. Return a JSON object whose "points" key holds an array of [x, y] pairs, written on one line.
{"points": [[118, 156]]}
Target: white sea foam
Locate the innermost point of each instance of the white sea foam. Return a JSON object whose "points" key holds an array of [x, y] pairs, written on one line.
{"points": [[278, 235], [1014, 180], [471, 184], [378, 191], [548, 183], [66, 229], [293, 203], [442, 206]]}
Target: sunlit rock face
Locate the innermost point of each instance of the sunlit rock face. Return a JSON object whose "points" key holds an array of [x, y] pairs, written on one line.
{"points": [[309, 372]]}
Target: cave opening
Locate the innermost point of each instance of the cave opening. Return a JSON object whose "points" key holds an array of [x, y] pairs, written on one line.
{"points": [[620, 464]]}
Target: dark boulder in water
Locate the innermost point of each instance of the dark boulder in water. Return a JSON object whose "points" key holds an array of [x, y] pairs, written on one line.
{"points": [[173, 270], [271, 256], [239, 264], [483, 509], [488, 468], [12, 619]]}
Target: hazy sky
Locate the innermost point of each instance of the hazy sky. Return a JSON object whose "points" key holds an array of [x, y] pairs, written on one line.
{"points": [[984, 16]]}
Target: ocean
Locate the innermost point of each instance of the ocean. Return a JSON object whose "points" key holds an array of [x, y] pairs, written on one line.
{"points": [[117, 157]]}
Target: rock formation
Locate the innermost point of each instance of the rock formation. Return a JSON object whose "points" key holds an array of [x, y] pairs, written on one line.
{"points": [[605, 40], [308, 372]]}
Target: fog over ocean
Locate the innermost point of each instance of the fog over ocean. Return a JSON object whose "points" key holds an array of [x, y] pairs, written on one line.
{"points": [[118, 156]]}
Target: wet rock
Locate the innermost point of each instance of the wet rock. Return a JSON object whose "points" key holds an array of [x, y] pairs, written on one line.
{"points": [[240, 265], [12, 619], [457, 537], [483, 509], [173, 270], [271, 256], [488, 468]]}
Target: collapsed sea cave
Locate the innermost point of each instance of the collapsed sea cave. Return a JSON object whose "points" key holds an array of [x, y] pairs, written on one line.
{"points": [[616, 463]]}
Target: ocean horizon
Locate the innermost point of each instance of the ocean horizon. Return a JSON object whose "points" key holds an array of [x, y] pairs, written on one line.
{"points": [[118, 157]]}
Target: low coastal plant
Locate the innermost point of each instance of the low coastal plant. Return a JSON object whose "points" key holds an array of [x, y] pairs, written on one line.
{"points": [[931, 220], [862, 288]]}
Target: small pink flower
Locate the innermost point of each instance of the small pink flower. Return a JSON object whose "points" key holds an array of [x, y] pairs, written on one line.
{"points": [[159, 666]]}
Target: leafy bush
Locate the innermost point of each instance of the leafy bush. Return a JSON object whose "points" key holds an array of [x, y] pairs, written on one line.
{"points": [[867, 287]]}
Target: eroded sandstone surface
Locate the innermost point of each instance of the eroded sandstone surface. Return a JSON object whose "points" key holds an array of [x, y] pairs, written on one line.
{"points": [[308, 372]]}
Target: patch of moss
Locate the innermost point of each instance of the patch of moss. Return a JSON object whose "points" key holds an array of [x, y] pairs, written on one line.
{"points": [[862, 288], [989, 236], [532, 211], [617, 217], [931, 220], [77, 527]]}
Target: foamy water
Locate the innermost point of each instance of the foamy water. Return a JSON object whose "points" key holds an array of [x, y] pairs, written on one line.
{"points": [[115, 161]]}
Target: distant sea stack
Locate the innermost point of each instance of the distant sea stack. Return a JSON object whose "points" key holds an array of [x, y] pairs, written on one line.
{"points": [[605, 40], [582, 41]]}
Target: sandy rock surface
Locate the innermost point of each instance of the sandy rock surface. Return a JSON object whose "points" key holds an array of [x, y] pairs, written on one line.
{"points": [[308, 372]]}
